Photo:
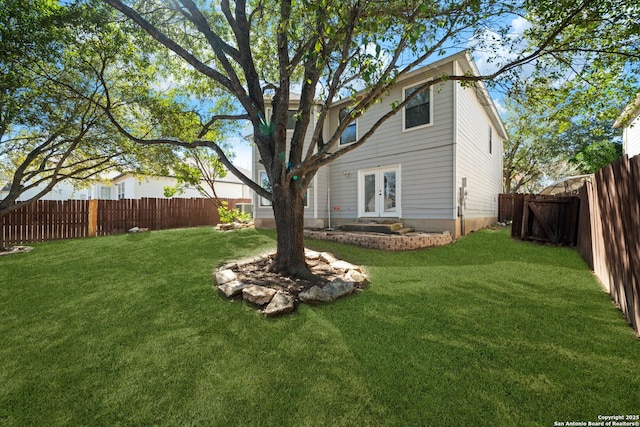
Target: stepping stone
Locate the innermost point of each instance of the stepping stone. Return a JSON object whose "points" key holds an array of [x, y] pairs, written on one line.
{"points": [[313, 295], [343, 265], [328, 258], [356, 277]]}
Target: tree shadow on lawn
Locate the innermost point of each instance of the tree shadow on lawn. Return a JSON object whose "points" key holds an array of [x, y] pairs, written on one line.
{"points": [[514, 352], [434, 340]]}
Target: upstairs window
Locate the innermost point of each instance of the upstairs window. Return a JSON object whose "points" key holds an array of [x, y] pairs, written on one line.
{"points": [[291, 119], [350, 134], [121, 191], [417, 112]]}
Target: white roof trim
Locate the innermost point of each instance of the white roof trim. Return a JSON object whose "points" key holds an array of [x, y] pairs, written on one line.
{"points": [[628, 114]]}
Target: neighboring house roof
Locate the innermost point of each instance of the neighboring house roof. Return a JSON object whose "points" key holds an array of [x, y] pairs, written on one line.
{"points": [[229, 178], [6, 187], [234, 179], [566, 184], [628, 114]]}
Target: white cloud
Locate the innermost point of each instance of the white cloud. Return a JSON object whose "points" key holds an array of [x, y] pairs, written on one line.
{"points": [[491, 50], [500, 106], [519, 26]]}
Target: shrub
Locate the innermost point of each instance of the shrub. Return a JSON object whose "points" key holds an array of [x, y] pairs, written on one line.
{"points": [[228, 216]]}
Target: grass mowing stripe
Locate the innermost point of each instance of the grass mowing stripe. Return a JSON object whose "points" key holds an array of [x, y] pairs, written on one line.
{"points": [[487, 331]]}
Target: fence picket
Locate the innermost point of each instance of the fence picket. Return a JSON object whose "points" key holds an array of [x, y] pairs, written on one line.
{"points": [[45, 220], [607, 212]]}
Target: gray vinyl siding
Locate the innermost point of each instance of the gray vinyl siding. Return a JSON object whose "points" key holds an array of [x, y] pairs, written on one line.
{"points": [[432, 160], [320, 186], [425, 157], [267, 211], [483, 169]]}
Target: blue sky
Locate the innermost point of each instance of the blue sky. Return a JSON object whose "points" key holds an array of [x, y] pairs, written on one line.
{"points": [[242, 150], [242, 147]]}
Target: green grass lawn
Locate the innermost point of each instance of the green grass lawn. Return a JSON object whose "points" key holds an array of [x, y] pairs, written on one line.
{"points": [[127, 330]]}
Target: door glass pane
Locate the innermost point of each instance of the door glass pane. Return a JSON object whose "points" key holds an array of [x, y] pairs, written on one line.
{"points": [[370, 193], [390, 191]]}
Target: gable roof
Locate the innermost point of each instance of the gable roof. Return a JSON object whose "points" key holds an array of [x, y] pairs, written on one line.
{"points": [[628, 114], [229, 178], [468, 66]]}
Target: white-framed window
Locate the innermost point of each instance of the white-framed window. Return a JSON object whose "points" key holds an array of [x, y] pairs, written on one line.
{"points": [[291, 118], [306, 198], [418, 113], [264, 182], [350, 134], [120, 190], [105, 192]]}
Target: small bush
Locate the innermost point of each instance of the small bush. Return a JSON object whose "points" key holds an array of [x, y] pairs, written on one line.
{"points": [[228, 216]]}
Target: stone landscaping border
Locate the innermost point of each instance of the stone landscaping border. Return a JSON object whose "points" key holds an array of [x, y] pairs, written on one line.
{"points": [[16, 250], [388, 242], [274, 302]]}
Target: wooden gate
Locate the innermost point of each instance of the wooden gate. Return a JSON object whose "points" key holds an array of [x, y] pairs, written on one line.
{"points": [[549, 219]]}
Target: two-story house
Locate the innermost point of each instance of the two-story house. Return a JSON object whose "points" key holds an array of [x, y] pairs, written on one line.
{"points": [[131, 186], [434, 166], [629, 121]]}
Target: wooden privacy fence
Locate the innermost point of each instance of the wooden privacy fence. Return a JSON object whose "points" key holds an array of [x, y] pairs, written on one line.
{"points": [[602, 220], [609, 233], [505, 206], [46, 220], [552, 219]]}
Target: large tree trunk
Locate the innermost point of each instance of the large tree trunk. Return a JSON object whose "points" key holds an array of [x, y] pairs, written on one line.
{"points": [[288, 211]]}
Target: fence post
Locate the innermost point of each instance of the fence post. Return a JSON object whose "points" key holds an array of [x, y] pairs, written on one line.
{"points": [[93, 218]]}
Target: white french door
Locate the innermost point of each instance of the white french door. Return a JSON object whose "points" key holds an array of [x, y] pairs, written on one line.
{"points": [[379, 192]]}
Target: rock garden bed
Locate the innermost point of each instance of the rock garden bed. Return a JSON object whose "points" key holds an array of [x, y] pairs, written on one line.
{"points": [[274, 294]]}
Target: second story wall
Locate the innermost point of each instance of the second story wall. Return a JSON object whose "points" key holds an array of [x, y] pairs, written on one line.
{"points": [[479, 145], [262, 207], [424, 154]]}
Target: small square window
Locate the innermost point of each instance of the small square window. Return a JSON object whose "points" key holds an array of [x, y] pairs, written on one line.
{"points": [[105, 193]]}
